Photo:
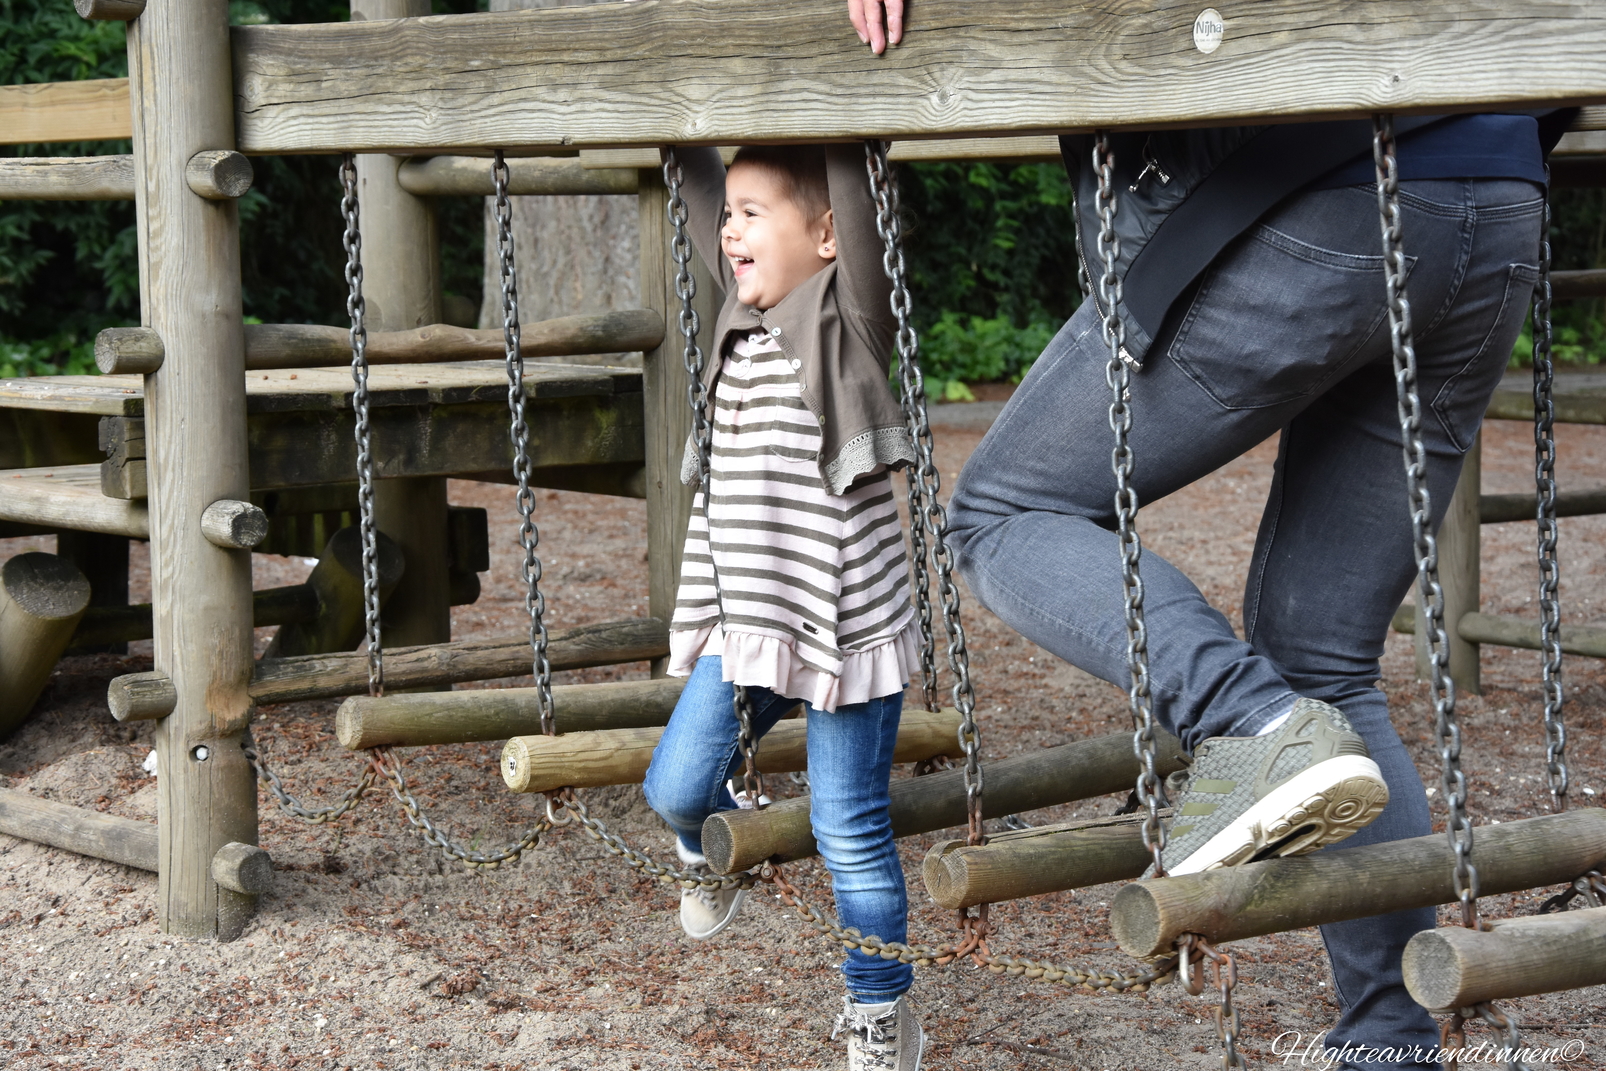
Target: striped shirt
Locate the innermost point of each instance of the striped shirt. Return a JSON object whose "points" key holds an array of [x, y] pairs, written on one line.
{"points": [[815, 585]]}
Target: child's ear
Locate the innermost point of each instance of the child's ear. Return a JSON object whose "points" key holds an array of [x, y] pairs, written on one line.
{"points": [[827, 235]]}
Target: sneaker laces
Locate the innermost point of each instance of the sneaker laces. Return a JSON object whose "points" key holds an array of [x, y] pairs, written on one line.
{"points": [[708, 897], [878, 1032]]}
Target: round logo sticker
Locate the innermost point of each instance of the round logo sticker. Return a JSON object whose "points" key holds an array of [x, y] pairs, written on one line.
{"points": [[1208, 30]]}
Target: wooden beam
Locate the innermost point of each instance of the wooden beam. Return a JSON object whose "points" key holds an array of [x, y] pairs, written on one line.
{"points": [[69, 497], [329, 676], [337, 581], [42, 596], [1254, 899], [45, 112], [498, 713], [78, 829], [1502, 509], [1512, 632], [67, 178], [1580, 398], [736, 840], [650, 73], [1030, 862], [621, 756], [234, 525], [111, 10], [1578, 284], [470, 176], [245, 868], [1460, 538], [1455, 967], [219, 174], [146, 696], [123, 624]]}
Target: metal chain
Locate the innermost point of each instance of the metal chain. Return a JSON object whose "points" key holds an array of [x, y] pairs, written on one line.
{"points": [[1431, 599], [1193, 949], [563, 807], [384, 761], [1117, 375], [925, 482], [1545, 481], [356, 308], [292, 806], [519, 432], [1453, 1034], [1591, 886]]}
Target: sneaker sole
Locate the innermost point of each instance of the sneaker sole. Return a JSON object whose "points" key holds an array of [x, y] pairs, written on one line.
{"points": [[730, 917], [1312, 809]]}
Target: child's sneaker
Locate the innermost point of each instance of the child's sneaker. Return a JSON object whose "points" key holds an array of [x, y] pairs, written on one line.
{"points": [[704, 911], [881, 1037], [1308, 783]]}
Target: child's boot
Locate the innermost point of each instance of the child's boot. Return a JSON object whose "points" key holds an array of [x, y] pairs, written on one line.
{"points": [[704, 911], [881, 1037]]}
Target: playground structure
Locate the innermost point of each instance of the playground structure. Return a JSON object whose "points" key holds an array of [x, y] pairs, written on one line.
{"points": [[207, 463]]}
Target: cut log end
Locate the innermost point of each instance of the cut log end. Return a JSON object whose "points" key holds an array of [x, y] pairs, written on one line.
{"points": [[129, 351], [219, 174], [142, 696], [45, 587], [1454, 967], [109, 10], [243, 868], [234, 525]]}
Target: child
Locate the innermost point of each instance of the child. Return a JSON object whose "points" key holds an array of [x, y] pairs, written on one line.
{"points": [[800, 521]]}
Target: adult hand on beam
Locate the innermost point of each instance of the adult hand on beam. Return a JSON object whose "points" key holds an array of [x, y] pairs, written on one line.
{"points": [[877, 22]]}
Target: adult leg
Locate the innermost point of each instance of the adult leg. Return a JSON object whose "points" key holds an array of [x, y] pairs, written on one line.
{"points": [[700, 750], [850, 762]]}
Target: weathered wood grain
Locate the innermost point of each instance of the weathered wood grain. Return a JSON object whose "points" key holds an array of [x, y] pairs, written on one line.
{"points": [[141, 696], [244, 868], [329, 676], [1067, 855], [112, 10], [42, 596], [78, 829], [45, 112], [736, 840], [1277, 895], [470, 176], [620, 756], [1501, 509], [337, 581], [69, 497], [1513, 632], [1580, 398], [649, 73], [67, 178], [219, 174], [1454, 967], [234, 525], [128, 351]]}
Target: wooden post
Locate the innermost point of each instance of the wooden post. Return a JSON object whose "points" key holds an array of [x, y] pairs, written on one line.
{"points": [[1455, 967], [402, 289], [736, 840], [1277, 895], [338, 583], [1459, 541], [664, 380], [41, 599], [182, 90], [1030, 862]]}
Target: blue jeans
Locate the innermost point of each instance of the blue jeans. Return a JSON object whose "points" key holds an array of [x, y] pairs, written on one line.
{"points": [[1286, 332], [850, 762]]}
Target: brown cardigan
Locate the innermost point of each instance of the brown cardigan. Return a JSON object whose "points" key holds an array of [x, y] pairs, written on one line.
{"points": [[837, 327]]}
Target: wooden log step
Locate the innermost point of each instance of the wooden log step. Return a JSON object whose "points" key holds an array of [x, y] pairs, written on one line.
{"points": [[1455, 967], [1276, 895], [330, 676], [42, 597], [67, 178], [1502, 509], [620, 756], [470, 176], [498, 713], [68, 496], [1030, 862], [1512, 632], [737, 840], [78, 829], [269, 346]]}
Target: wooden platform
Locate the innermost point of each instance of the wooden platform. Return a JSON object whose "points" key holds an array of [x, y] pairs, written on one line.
{"points": [[69, 497]]}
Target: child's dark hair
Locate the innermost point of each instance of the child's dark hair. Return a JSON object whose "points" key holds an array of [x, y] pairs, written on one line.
{"points": [[801, 169]]}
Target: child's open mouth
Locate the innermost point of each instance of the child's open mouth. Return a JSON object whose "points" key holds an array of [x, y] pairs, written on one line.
{"points": [[741, 265]]}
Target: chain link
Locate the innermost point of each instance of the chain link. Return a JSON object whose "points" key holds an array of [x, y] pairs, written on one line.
{"points": [[519, 432], [1453, 1034], [1117, 375], [292, 806], [925, 483], [1431, 598], [563, 807], [1545, 481], [1193, 949]]}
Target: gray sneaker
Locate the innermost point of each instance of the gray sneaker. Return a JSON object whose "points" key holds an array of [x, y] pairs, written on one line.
{"points": [[704, 912], [881, 1037], [1305, 785]]}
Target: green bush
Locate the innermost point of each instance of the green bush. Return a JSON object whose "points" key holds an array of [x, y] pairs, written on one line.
{"points": [[958, 350]]}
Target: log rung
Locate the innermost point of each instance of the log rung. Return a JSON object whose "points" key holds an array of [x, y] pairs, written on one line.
{"points": [[67, 178], [1512, 632], [69, 496], [1455, 967], [1031, 862], [621, 756], [78, 829], [470, 176]]}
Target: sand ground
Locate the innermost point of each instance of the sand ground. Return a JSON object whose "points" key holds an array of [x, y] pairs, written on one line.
{"points": [[372, 953]]}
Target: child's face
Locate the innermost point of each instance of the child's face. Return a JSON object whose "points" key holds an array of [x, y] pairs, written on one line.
{"points": [[772, 248]]}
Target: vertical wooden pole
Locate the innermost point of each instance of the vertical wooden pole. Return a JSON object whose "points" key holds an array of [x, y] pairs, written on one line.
{"points": [[189, 249], [1460, 539], [402, 287], [668, 414], [104, 560]]}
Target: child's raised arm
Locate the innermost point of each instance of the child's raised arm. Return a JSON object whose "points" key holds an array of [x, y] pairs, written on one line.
{"points": [[863, 289], [703, 187]]}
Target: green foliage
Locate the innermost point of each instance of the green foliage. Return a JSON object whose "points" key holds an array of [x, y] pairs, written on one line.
{"points": [[1577, 242], [960, 349], [65, 353]]}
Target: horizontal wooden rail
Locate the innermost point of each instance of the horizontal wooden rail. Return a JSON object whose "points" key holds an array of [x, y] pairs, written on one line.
{"points": [[330, 676], [43, 112], [1031, 862], [1503, 509], [1455, 967], [78, 829], [1232, 903], [69, 497], [1573, 406], [67, 178], [1512, 632], [650, 73], [621, 756], [498, 713], [124, 624], [1578, 284], [736, 840], [470, 176]]}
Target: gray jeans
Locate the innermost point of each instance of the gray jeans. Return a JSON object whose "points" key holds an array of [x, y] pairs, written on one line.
{"points": [[1287, 332]]}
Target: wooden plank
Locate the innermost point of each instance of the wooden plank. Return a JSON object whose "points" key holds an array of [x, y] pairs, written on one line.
{"points": [[1580, 398], [78, 829], [330, 676], [67, 178], [44, 112], [1514, 632], [470, 176], [69, 497], [1455, 967], [1500, 509], [1277, 895], [649, 73], [1033, 148]]}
